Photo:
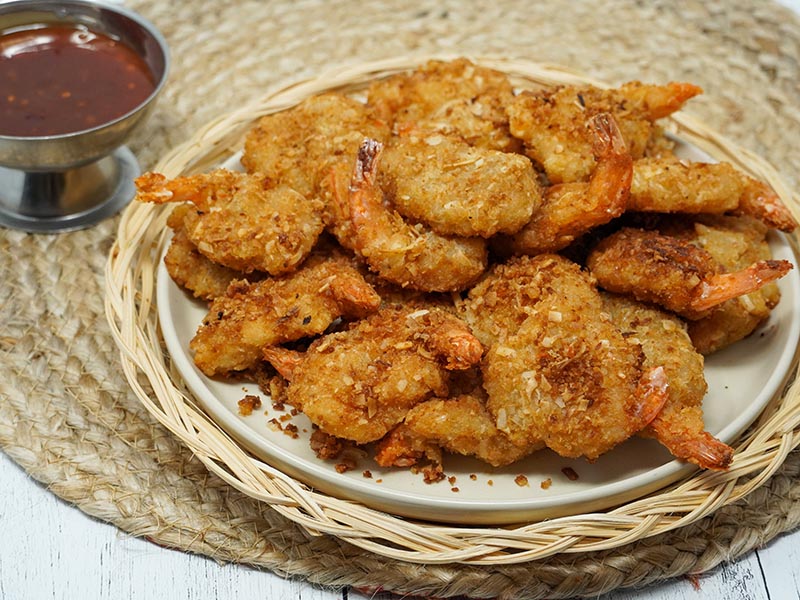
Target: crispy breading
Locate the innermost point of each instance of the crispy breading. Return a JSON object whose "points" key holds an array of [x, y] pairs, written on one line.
{"points": [[193, 271], [358, 384], [409, 255], [297, 146], [666, 344], [670, 185], [552, 122], [251, 316], [242, 221], [567, 376], [674, 273], [461, 425], [735, 243], [454, 97], [458, 189], [571, 209]]}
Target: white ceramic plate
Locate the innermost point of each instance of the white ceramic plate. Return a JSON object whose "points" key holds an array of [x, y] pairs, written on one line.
{"points": [[742, 379]]}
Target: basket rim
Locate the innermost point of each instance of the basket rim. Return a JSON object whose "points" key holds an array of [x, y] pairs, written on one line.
{"points": [[129, 304]]}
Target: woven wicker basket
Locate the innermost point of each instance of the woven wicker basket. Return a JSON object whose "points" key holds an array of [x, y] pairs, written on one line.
{"points": [[130, 287]]}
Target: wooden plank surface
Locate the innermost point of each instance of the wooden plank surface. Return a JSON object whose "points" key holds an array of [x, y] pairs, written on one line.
{"points": [[52, 551]]}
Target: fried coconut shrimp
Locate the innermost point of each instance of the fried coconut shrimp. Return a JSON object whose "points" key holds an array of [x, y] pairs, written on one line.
{"points": [[454, 98], [457, 189], [571, 209], [566, 376], [405, 254], [358, 384], [669, 185], [241, 221], [251, 316], [663, 337], [500, 302], [461, 425], [190, 269], [735, 243], [551, 122], [674, 273], [297, 146]]}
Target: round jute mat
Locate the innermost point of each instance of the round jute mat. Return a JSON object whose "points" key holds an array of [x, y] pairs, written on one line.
{"points": [[67, 415]]}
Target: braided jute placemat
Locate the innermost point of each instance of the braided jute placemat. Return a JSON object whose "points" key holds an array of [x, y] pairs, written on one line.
{"points": [[67, 415]]}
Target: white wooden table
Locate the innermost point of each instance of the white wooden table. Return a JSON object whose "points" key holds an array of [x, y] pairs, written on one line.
{"points": [[50, 550]]}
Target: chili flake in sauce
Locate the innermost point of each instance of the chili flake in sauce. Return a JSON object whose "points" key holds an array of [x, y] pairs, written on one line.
{"points": [[63, 79]]}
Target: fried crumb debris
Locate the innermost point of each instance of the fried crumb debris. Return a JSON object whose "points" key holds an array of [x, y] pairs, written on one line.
{"points": [[570, 473], [290, 429], [473, 477], [248, 404], [433, 473], [367, 474], [346, 464], [546, 483], [489, 482], [451, 480], [521, 480], [454, 489], [326, 446]]}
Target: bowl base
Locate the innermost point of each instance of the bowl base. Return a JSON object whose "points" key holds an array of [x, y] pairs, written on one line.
{"points": [[57, 201]]}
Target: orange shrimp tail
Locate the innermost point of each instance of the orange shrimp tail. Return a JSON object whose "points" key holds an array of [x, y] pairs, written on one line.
{"points": [[396, 450], [725, 286], [459, 349], [152, 187], [283, 360], [653, 394], [366, 170], [760, 201], [658, 101], [701, 448], [607, 140], [611, 180], [356, 297]]}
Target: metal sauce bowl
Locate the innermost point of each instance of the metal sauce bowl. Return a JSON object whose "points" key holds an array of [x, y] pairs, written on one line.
{"points": [[72, 180]]}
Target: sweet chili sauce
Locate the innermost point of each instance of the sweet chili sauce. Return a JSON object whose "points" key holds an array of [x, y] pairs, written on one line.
{"points": [[62, 79]]}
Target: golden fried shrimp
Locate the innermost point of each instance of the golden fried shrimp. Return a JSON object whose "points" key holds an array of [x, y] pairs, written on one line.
{"points": [[667, 185], [190, 269], [455, 188], [409, 255], [242, 221], [501, 301], [760, 201], [296, 146], [193, 271], [358, 384], [571, 209], [674, 273], [655, 101], [665, 342], [735, 243], [461, 425], [670, 185], [567, 376], [453, 98], [251, 316], [551, 122]]}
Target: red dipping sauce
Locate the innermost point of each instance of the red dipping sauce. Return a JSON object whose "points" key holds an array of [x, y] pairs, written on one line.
{"points": [[62, 79]]}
